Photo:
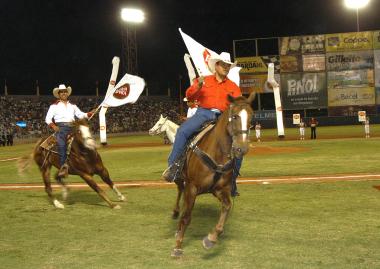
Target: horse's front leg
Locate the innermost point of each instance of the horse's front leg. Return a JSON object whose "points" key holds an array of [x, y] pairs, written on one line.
{"points": [[190, 194], [65, 189], [45, 170], [100, 192], [179, 195], [103, 173], [224, 197]]}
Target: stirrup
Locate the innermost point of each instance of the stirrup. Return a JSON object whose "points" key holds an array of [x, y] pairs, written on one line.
{"points": [[63, 171], [170, 174]]}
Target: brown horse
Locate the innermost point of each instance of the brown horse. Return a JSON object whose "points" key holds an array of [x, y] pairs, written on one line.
{"points": [[84, 160], [208, 167]]}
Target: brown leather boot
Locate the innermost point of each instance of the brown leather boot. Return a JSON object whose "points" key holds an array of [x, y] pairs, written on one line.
{"points": [[63, 171]]}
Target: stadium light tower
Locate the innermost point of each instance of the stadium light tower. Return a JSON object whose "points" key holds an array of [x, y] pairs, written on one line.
{"points": [[356, 4], [131, 17]]}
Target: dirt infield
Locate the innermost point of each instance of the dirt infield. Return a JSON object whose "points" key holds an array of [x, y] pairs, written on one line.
{"points": [[261, 149], [244, 180]]}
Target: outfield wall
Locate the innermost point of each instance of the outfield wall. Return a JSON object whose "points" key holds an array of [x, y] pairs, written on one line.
{"points": [[339, 73]]}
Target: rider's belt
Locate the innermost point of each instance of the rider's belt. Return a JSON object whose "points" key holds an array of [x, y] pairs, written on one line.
{"points": [[215, 110], [66, 124]]}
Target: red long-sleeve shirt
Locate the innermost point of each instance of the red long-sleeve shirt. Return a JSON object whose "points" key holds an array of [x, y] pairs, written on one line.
{"points": [[213, 93]]}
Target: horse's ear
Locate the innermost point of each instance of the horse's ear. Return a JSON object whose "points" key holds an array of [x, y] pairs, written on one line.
{"points": [[230, 98], [251, 97]]}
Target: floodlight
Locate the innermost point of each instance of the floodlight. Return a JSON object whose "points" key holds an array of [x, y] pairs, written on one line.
{"points": [[356, 4], [132, 15]]}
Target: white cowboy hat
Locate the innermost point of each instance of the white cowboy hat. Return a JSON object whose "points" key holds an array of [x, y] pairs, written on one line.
{"points": [[61, 87], [224, 57]]}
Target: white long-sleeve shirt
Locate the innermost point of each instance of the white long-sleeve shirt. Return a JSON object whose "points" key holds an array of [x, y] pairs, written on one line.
{"points": [[191, 111], [61, 112]]}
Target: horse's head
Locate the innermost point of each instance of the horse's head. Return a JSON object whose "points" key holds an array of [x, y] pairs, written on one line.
{"points": [[83, 134], [158, 127], [239, 118]]}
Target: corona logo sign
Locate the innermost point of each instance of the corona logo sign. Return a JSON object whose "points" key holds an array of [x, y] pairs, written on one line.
{"points": [[122, 92]]}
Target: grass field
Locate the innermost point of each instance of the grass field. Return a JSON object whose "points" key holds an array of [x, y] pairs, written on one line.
{"points": [[308, 225]]}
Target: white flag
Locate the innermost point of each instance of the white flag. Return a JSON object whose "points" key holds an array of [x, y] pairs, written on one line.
{"points": [[200, 56], [128, 90]]}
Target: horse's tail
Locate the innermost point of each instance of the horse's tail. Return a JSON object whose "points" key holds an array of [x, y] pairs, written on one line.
{"points": [[24, 162]]}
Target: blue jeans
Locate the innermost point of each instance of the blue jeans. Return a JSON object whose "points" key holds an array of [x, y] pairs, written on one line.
{"points": [[187, 129], [61, 136]]}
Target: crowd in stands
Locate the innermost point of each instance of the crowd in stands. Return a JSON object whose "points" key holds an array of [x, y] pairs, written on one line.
{"points": [[137, 117]]}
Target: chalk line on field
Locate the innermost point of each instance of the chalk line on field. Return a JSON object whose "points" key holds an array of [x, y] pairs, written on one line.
{"points": [[275, 180], [10, 159]]}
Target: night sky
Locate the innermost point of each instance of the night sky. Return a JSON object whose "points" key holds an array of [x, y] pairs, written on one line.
{"points": [[74, 41]]}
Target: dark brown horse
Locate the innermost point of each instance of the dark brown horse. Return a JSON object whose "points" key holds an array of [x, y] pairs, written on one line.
{"points": [[84, 161], [208, 167]]}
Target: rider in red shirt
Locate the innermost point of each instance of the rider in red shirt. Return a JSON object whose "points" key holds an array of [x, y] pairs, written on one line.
{"points": [[211, 93]]}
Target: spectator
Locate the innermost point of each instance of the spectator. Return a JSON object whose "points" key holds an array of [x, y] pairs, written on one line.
{"points": [[313, 126]]}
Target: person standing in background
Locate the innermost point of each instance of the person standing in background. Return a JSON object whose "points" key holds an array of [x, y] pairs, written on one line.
{"points": [[258, 131], [302, 129], [366, 127], [313, 126]]}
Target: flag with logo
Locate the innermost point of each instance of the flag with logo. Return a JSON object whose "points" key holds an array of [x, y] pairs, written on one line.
{"points": [[200, 56], [128, 90]]}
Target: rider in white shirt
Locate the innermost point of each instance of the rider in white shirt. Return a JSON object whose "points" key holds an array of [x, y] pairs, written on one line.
{"points": [[60, 118]]}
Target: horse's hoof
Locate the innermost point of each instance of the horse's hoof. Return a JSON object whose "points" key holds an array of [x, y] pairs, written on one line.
{"points": [[177, 252], [207, 243], [122, 198], [175, 215], [116, 207], [58, 205]]}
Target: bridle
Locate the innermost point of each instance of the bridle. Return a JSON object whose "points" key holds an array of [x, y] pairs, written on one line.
{"points": [[230, 127]]}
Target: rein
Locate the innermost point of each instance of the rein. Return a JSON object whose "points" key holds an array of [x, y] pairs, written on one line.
{"points": [[218, 169]]}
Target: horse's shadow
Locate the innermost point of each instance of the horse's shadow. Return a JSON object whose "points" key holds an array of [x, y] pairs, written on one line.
{"points": [[84, 197]]}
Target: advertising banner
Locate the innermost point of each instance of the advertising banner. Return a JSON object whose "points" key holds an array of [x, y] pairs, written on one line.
{"points": [[344, 111], [362, 116], [256, 83], [377, 67], [351, 96], [264, 115], [313, 63], [376, 40], [377, 89], [303, 90], [302, 44], [349, 41], [349, 60], [291, 63], [350, 78], [257, 64], [296, 118]]}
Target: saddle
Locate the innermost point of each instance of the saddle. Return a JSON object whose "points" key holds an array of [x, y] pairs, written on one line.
{"points": [[49, 144], [192, 146]]}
